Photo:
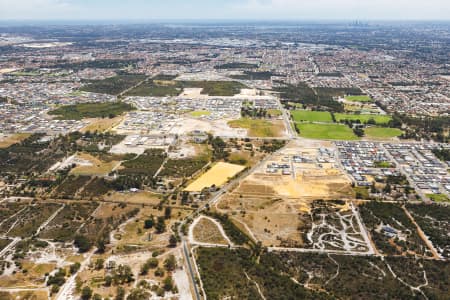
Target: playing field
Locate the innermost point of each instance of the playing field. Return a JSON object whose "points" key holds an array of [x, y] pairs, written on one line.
{"points": [[439, 198], [217, 175], [379, 119], [382, 133], [311, 116], [326, 131], [362, 98]]}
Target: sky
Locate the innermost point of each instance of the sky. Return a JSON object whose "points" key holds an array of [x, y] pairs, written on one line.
{"points": [[224, 9]]}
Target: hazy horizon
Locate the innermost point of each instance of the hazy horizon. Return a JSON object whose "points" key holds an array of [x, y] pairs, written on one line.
{"points": [[221, 10]]}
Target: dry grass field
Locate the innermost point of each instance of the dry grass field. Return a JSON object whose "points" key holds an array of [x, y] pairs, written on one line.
{"points": [[218, 175], [102, 125], [9, 140], [205, 231], [97, 167], [142, 197]]}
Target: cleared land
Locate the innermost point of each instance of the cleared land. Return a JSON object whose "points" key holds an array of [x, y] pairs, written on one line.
{"points": [[311, 116], [91, 110], [326, 132], [102, 125], [382, 133], [97, 167], [379, 119], [259, 127], [271, 206], [218, 175]]}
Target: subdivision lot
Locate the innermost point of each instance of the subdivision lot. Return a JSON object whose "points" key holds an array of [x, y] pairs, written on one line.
{"points": [[311, 116], [273, 206], [326, 132], [218, 175]]}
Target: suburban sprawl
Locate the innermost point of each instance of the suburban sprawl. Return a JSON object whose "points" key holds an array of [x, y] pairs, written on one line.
{"points": [[239, 161]]}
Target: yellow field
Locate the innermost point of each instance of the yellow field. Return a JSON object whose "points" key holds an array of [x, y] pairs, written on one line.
{"points": [[98, 168], [102, 125], [10, 140], [218, 175]]}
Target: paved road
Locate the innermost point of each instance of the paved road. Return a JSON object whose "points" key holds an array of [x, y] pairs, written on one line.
{"points": [[191, 271]]}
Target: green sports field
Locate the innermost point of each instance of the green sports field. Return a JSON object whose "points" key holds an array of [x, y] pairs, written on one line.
{"points": [[326, 131], [311, 116], [379, 119], [382, 133], [362, 98], [438, 198]]}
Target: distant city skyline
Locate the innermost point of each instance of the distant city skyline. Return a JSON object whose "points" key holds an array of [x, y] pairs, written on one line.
{"points": [[224, 9]]}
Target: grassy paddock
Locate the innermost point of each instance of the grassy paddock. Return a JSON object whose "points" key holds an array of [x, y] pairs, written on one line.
{"points": [[382, 133], [257, 127], [379, 119], [311, 116], [326, 131]]}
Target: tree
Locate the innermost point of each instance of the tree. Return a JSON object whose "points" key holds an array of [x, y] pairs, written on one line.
{"points": [[86, 293], [108, 280], [74, 268], [149, 223], [99, 264], [170, 263], [120, 295], [172, 241], [138, 294], [167, 212], [97, 297], [160, 225], [101, 245], [168, 283], [82, 243]]}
